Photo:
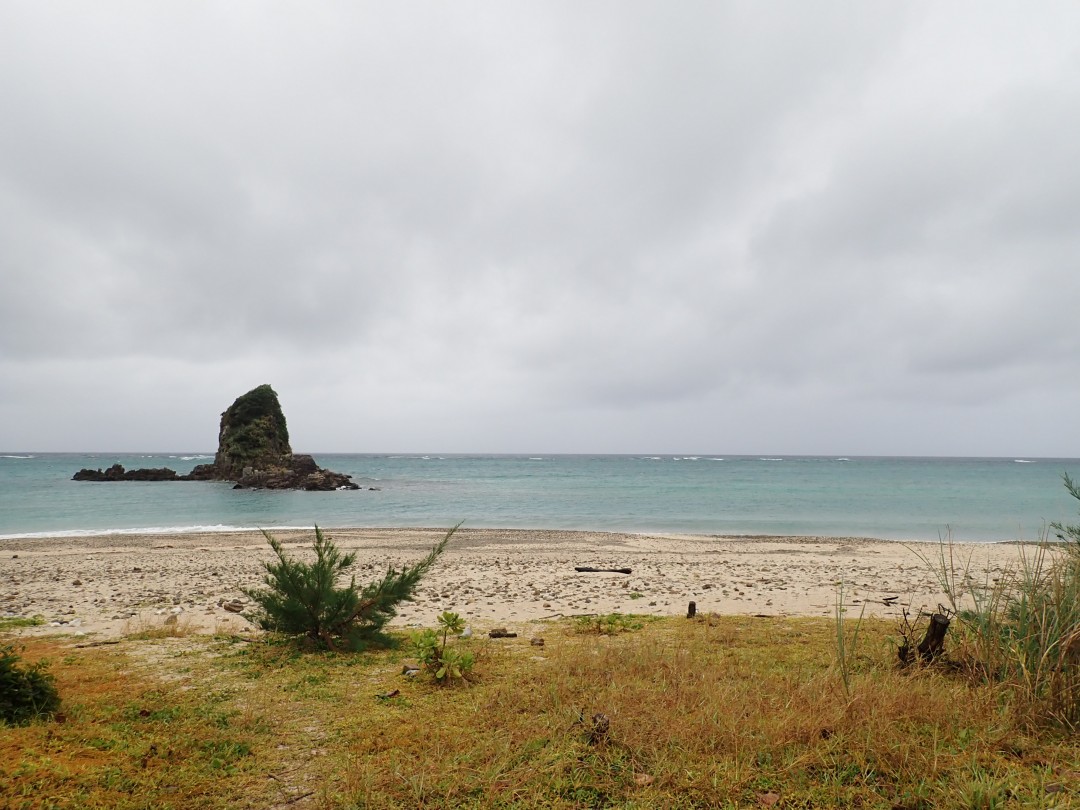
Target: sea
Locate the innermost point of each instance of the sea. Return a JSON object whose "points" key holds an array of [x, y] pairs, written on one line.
{"points": [[967, 499]]}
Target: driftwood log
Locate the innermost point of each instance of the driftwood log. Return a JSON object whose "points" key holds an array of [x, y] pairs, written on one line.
{"points": [[586, 569]]}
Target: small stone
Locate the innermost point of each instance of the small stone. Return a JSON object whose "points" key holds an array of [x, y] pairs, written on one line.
{"points": [[76, 582], [536, 641]]}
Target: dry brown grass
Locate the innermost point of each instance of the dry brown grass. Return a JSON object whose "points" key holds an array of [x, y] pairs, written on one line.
{"points": [[717, 712]]}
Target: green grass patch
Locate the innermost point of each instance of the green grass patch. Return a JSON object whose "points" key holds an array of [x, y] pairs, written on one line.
{"points": [[16, 622]]}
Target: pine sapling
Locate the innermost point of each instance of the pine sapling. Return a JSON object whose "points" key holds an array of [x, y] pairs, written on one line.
{"points": [[304, 598]]}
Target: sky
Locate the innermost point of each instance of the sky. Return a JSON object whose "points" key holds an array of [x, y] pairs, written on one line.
{"points": [[561, 227]]}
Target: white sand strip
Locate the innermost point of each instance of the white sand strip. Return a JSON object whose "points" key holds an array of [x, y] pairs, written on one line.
{"points": [[113, 584]]}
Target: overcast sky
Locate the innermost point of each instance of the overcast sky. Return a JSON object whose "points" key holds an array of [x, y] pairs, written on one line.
{"points": [[818, 227]]}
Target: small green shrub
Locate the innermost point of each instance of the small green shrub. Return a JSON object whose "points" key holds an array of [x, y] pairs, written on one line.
{"points": [[445, 663], [26, 693], [304, 598]]}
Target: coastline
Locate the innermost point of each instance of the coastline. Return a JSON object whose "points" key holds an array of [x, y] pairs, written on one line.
{"points": [[109, 585]]}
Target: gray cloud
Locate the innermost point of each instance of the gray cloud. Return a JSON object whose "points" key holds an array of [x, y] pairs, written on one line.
{"points": [[494, 227]]}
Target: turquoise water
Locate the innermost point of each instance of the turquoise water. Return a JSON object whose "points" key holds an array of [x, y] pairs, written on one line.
{"points": [[891, 498]]}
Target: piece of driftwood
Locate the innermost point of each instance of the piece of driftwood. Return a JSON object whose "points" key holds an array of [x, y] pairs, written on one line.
{"points": [[691, 610], [500, 632], [587, 569]]}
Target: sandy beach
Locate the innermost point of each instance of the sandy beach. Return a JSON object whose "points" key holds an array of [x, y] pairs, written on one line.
{"points": [[110, 585]]}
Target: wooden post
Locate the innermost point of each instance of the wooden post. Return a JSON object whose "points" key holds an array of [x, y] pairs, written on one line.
{"points": [[691, 610]]}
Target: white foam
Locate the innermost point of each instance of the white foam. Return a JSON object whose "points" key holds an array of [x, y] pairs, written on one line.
{"points": [[194, 458], [18, 456], [770, 459], [1023, 461], [215, 529]]}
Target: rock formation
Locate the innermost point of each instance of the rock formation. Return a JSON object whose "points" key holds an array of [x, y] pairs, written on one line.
{"points": [[253, 436], [117, 473], [253, 451]]}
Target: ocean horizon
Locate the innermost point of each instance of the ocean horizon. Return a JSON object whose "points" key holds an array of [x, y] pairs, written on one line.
{"points": [[886, 497]]}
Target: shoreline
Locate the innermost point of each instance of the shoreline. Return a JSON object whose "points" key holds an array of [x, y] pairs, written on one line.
{"points": [[108, 585]]}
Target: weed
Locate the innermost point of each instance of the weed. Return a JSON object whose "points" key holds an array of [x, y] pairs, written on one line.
{"points": [[26, 692], [446, 664], [1021, 628], [845, 650]]}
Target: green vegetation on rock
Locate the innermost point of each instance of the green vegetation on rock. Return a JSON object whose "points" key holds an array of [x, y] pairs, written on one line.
{"points": [[253, 433]]}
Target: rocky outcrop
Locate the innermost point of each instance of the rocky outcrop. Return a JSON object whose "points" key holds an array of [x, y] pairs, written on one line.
{"points": [[117, 473], [301, 473], [253, 451], [253, 434]]}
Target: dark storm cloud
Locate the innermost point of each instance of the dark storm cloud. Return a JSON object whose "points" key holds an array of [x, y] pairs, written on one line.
{"points": [[499, 226]]}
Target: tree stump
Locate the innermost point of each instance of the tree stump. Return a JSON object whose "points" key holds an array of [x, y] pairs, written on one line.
{"points": [[933, 643], [691, 610]]}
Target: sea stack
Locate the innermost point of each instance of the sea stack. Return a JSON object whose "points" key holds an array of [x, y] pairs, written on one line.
{"points": [[254, 451]]}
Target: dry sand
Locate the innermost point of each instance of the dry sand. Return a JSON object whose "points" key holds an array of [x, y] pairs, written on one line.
{"points": [[109, 585]]}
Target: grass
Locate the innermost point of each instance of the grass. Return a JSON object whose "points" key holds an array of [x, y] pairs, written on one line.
{"points": [[1022, 628], [15, 622], [732, 712]]}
